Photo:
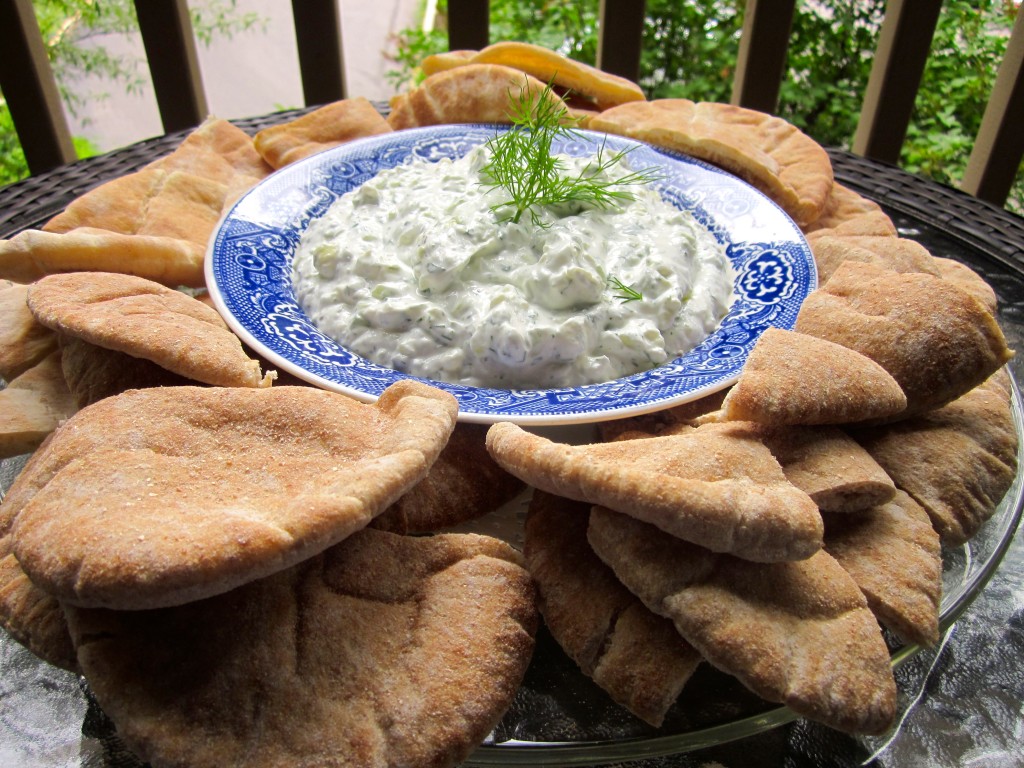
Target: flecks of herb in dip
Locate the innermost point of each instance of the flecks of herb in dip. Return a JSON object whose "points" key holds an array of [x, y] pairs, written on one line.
{"points": [[415, 270]]}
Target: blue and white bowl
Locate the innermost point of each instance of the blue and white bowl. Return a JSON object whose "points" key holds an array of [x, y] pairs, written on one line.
{"points": [[249, 273]]}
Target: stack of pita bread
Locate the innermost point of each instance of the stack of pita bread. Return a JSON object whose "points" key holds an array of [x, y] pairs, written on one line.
{"points": [[811, 500], [221, 556]]}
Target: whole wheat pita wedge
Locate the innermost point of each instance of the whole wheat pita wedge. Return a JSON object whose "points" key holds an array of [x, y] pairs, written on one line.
{"points": [[32, 617], [174, 203], [117, 205], [603, 89], [23, 340], [383, 650], [93, 373], [966, 278], [153, 202], [33, 254], [717, 486], [798, 633], [894, 555], [796, 378], [656, 422], [823, 462], [329, 126], [935, 339], [172, 195], [896, 253], [638, 658], [475, 93], [957, 461], [219, 151], [463, 484], [213, 487], [768, 152], [830, 467], [32, 405], [849, 213], [144, 319]]}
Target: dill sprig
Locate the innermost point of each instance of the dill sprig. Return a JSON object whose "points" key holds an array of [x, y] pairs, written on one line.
{"points": [[523, 164], [626, 292]]}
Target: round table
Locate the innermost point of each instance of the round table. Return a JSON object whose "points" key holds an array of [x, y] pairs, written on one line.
{"points": [[962, 702]]}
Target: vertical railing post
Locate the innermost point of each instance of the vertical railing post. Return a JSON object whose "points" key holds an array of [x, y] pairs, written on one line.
{"points": [[468, 24], [28, 85], [904, 43], [999, 146], [761, 63], [619, 43], [170, 45], [321, 58]]}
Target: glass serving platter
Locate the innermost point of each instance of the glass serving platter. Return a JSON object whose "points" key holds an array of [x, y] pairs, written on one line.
{"points": [[48, 718]]}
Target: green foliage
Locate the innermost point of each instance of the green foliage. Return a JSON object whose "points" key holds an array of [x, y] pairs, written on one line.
{"points": [[969, 44], [12, 159], [73, 32], [412, 47], [690, 51], [830, 51]]}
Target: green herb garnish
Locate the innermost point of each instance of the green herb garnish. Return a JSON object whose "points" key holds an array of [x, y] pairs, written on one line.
{"points": [[522, 163], [626, 292]]}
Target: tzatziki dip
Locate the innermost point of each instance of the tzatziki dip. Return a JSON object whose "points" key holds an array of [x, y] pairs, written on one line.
{"points": [[417, 271]]}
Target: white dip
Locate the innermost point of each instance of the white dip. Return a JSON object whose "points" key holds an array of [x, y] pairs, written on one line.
{"points": [[415, 271]]}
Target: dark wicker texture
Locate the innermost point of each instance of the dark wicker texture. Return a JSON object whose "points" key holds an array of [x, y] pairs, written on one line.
{"points": [[994, 231]]}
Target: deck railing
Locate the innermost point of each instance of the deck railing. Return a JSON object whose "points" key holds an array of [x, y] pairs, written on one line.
{"points": [[903, 47]]}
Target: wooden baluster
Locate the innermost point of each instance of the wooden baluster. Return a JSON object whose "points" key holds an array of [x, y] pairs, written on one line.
{"points": [[621, 31], [468, 22], [999, 146], [321, 58], [30, 89], [903, 47], [170, 45], [761, 63]]}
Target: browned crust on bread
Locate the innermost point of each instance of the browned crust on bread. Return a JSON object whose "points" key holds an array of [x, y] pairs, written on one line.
{"points": [[957, 461], [894, 555], [144, 319], [475, 93], [768, 152], [718, 486], [384, 650], [273, 476], [937, 341], [638, 658], [849, 213], [797, 633], [464, 483], [329, 126], [23, 340], [794, 378]]}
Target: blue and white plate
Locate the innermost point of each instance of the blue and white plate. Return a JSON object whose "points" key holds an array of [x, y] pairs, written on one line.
{"points": [[249, 274]]}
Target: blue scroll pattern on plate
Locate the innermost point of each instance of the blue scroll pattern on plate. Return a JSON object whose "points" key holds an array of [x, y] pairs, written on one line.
{"points": [[250, 267]]}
